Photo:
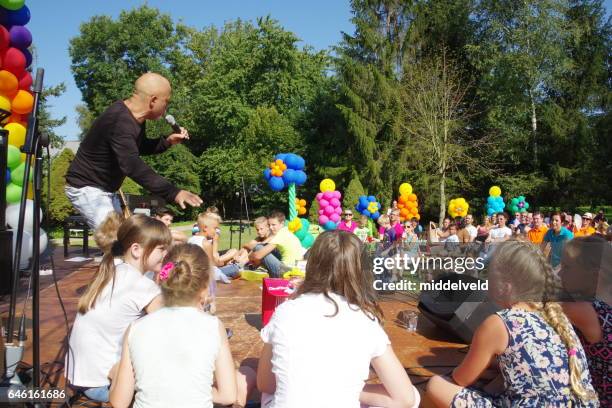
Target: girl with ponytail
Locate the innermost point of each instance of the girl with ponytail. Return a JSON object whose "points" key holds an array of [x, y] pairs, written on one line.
{"points": [[118, 294], [170, 357], [541, 360]]}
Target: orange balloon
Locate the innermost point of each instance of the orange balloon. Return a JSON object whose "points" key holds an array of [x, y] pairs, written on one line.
{"points": [[402, 199], [412, 197], [414, 211], [404, 212], [8, 83], [400, 206], [22, 102]]}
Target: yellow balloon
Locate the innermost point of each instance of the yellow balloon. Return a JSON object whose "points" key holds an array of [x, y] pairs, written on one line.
{"points": [[327, 185], [5, 105], [17, 133], [495, 191], [405, 189]]}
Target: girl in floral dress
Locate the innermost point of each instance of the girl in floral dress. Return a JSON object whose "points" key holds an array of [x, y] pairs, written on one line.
{"points": [[539, 356]]}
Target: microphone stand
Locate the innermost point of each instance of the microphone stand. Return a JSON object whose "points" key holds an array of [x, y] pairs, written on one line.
{"points": [[33, 147]]}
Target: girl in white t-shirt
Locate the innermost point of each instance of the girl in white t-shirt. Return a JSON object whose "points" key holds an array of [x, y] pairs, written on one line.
{"points": [[170, 357], [318, 347], [119, 294]]}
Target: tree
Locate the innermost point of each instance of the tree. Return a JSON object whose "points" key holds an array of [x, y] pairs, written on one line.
{"points": [[352, 193], [370, 64], [520, 51], [46, 123], [85, 119], [59, 205], [435, 116]]}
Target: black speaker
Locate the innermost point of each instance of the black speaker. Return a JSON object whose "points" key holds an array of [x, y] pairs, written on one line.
{"points": [[458, 312]]}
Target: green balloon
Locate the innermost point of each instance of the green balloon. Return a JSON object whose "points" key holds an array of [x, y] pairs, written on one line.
{"points": [[300, 234], [12, 4], [515, 209], [17, 175], [308, 241], [13, 157], [526, 205], [13, 193]]}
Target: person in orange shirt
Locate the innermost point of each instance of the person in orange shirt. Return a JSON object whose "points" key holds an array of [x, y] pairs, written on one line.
{"points": [[587, 227], [537, 232]]}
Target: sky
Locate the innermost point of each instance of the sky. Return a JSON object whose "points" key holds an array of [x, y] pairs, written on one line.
{"points": [[318, 23]]}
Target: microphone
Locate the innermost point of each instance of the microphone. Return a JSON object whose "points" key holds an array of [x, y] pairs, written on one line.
{"points": [[172, 122]]}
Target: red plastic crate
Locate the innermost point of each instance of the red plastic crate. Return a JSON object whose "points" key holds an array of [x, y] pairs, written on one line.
{"points": [[274, 292]]}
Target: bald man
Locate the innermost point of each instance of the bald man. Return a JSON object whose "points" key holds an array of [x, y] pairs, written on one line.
{"points": [[111, 151]]}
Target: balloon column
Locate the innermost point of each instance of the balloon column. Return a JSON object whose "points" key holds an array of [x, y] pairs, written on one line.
{"points": [[407, 203], [517, 204], [495, 202], [458, 207], [329, 205], [287, 170], [16, 102], [369, 207]]}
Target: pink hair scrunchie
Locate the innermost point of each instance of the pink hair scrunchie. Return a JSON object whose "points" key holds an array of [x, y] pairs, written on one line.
{"points": [[165, 271]]}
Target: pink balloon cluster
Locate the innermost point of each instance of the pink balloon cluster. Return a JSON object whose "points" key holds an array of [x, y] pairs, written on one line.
{"points": [[330, 207]]}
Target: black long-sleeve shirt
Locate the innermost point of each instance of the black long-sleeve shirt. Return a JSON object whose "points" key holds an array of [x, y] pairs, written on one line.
{"points": [[111, 151]]}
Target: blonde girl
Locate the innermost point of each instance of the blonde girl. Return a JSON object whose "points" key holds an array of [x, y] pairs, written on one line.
{"points": [[540, 358], [118, 294]]}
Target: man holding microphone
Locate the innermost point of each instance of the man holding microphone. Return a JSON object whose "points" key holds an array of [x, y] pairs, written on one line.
{"points": [[111, 151]]}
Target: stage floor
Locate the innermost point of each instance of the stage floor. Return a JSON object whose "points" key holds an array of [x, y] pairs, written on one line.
{"points": [[423, 353]]}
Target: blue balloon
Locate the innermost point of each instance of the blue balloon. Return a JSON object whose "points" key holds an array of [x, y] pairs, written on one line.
{"points": [[491, 211], [366, 213], [305, 224], [371, 198], [300, 177], [375, 215], [267, 173], [280, 156], [329, 226], [491, 200], [276, 183], [363, 201], [292, 161], [19, 17], [301, 163], [289, 176], [500, 200]]}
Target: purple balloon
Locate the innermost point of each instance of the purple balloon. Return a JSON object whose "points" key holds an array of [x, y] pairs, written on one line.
{"points": [[337, 194], [338, 210], [323, 203], [319, 196], [321, 212], [323, 219], [20, 37], [328, 195], [334, 202], [334, 218], [329, 210]]}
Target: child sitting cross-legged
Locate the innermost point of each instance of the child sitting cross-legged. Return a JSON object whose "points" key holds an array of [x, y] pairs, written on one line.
{"points": [[180, 355], [318, 347], [541, 360]]}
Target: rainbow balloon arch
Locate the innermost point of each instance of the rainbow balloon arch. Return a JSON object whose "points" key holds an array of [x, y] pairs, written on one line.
{"points": [[16, 103]]}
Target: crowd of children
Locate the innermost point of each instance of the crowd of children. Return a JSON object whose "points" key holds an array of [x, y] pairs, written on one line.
{"points": [[145, 333]]}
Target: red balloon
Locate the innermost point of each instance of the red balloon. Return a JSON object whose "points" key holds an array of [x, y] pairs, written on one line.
{"points": [[14, 61], [25, 82], [5, 38]]}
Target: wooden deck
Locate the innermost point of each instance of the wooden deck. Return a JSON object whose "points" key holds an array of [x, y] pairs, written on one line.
{"points": [[423, 353]]}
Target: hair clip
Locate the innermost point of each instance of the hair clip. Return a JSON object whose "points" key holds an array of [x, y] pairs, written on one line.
{"points": [[572, 352], [165, 271]]}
